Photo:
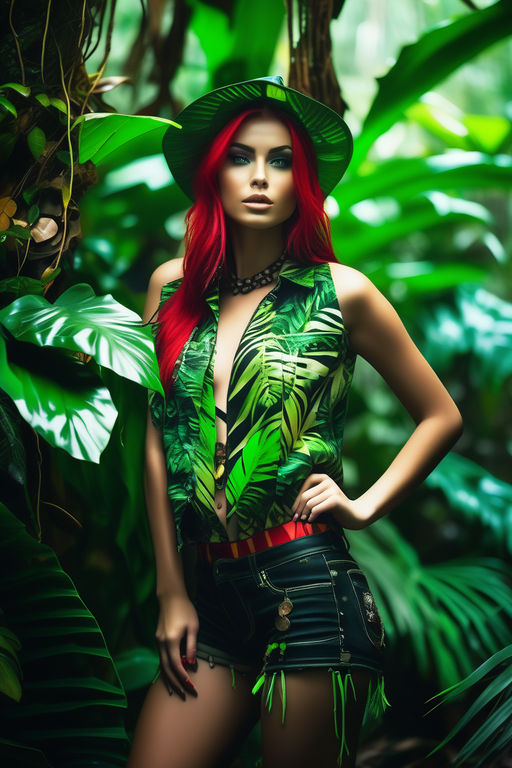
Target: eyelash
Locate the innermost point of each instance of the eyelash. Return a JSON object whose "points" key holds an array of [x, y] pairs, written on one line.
{"points": [[234, 156]]}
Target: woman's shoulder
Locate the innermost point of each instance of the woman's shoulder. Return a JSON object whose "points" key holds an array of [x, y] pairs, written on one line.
{"points": [[354, 290], [165, 273]]}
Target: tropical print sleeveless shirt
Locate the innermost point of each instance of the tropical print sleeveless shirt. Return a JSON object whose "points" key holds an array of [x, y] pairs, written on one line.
{"points": [[286, 407]]}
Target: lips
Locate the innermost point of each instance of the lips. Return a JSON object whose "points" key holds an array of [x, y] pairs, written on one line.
{"points": [[257, 199]]}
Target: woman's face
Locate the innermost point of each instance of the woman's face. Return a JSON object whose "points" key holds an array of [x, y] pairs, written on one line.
{"points": [[255, 181]]}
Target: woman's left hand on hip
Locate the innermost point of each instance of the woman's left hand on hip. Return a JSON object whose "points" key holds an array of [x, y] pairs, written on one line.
{"points": [[320, 494]]}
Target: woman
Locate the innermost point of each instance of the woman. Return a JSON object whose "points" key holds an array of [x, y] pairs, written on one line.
{"points": [[258, 330]]}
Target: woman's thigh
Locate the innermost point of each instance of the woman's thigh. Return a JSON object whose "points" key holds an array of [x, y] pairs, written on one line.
{"points": [[308, 735], [201, 732]]}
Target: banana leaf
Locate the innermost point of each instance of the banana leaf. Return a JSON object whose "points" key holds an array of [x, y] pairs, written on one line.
{"points": [[372, 226], [72, 704], [403, 178], [423, 64], [484, 133]]}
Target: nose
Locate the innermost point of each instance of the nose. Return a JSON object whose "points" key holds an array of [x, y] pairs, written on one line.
{"points": [[259, 178]]}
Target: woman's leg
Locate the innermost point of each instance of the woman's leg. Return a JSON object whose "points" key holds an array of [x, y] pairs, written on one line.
{"points": [[308, 735], [199, 732]]}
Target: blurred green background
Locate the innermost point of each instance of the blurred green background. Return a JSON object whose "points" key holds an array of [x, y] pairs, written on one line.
{"points": [[424, 211]]}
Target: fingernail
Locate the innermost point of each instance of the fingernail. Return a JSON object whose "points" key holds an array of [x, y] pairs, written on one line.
{"points": [[190, 685], [183, 661]]}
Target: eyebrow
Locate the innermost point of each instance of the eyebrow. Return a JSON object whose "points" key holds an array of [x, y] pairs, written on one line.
{"points": [[251, 149]]}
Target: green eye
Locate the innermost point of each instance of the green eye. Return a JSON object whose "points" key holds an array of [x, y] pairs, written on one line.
{"points": [[237, 159], [282, 162]]}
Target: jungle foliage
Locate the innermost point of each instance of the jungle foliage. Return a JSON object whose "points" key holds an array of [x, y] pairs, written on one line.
{"points": [[429, 225]]}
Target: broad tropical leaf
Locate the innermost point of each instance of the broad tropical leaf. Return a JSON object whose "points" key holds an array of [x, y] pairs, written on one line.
{"points": [[60, 398], [428, 61], [402, 179], [120, 138], [480, 327], [79, 320], [72, 707], [477, 496]]}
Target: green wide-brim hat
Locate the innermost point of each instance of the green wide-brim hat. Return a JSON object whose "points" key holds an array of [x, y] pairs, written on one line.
{"points": [[203, 119]]}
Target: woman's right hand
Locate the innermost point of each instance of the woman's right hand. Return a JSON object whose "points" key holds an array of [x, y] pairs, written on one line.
{"points": [[178, 618]]}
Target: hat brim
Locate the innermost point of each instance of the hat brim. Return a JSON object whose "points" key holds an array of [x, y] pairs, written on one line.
{"points": [[203, 119]]}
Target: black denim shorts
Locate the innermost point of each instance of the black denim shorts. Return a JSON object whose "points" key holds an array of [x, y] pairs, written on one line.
{"points": [[301, 604]]}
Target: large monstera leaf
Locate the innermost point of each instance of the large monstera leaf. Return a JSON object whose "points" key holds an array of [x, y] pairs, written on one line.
{"points": [[61, 398], [83, 322], [72, 704]]}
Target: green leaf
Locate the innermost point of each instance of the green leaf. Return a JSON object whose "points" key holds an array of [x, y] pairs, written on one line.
{"points": [[59, 104], [435, 606], [21, 233], [485, 133], [61, 399], [476, 495], [386, 221], [104, 135], [13, 460], [488, 132], [482, 745], [24, 90], [10, 670], [21, 285], [438, 53], [21, 756], [79, 320], [64, 157], [67, 669], [137, 667], [232, 55], [8, 106], [481, 326], [33, 214], [402, 179], [43, 99], [36, 140]]}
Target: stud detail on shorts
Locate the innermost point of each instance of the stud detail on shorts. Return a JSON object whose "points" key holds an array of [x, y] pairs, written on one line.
{"points": [[285, 607], [370, 607], [282, 623]]}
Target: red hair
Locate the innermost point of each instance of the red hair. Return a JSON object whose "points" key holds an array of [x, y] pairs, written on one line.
{"points": [[307, 234]]}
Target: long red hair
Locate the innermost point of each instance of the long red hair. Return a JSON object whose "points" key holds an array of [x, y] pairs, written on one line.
{"points": [[307, 233]]}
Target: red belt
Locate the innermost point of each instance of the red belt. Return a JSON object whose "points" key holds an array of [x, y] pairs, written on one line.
{"points": [[260, 541]]}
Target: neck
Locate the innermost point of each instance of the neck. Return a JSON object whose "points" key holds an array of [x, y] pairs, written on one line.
{"points": [[254, 249]]}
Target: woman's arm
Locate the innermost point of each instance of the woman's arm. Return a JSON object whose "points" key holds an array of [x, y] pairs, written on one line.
{"points": [[378, 335], [177, 615]]}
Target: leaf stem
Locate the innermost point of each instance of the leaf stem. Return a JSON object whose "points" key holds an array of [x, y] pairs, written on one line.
{"points": [[16, 43], [45, 34]]}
